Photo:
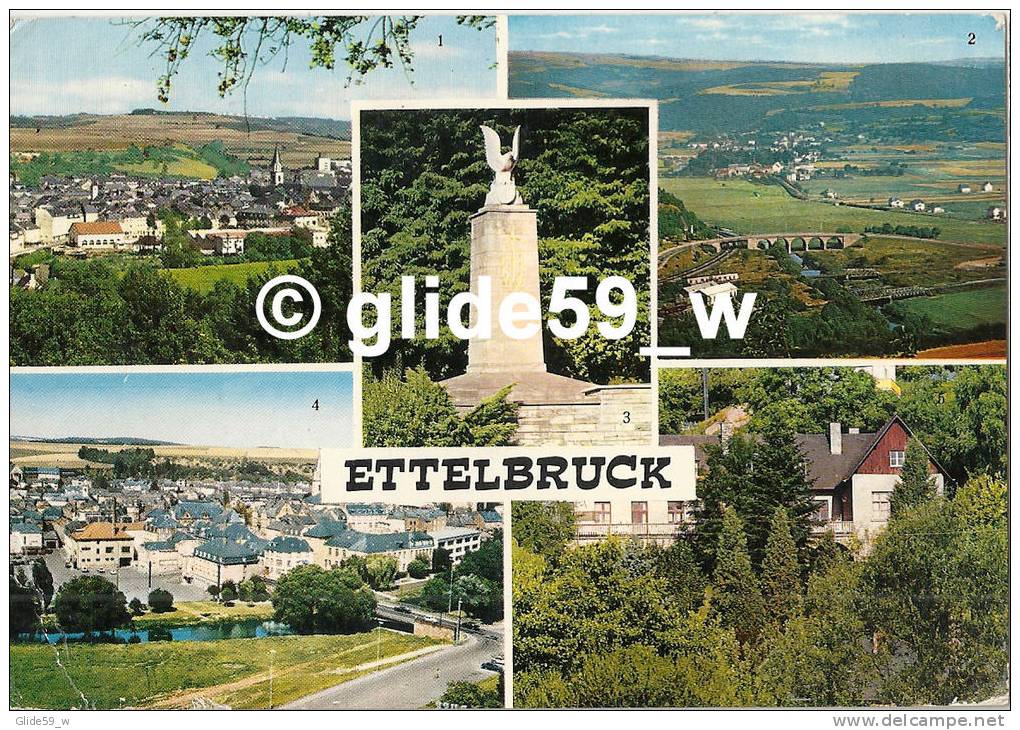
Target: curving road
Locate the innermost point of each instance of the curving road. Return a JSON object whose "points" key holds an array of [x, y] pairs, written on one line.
{"points": [[410, 685]]}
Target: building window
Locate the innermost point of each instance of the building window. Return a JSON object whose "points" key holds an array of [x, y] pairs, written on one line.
{"points": [[821, 513], [676, 512], [880, 506], [896, 459], [639, 513], [603, 513]]}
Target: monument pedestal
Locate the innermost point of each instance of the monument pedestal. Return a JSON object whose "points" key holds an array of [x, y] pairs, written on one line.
{"points": [[504, 247]]}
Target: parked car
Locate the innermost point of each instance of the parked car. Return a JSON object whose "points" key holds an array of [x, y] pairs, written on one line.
{"points": [[67, 564]]}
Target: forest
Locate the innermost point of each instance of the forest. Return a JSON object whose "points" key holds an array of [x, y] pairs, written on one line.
{"points": [[750, 606], [584, 170]]}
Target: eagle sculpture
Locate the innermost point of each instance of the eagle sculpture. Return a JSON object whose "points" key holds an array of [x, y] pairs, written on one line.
{"points": [[503, 190]]}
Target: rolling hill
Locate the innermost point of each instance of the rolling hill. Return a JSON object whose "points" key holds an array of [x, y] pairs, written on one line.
{"points": [[253, 139], [713, 97]]}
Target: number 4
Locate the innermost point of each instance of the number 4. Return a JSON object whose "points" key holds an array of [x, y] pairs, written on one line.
{"points": [[315, 405]]}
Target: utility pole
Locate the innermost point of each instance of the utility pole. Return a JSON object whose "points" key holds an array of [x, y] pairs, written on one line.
{"points": [[704, 390], [456, 634], [272, 657]]}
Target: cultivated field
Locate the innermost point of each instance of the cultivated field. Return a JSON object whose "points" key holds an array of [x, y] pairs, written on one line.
{"points": [[962, 310], [746, 207], [203, 278], [39, 453], [232, 672], [122, 130]]}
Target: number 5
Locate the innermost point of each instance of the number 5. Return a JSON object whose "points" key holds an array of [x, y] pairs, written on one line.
{"points": [[559, 302]]}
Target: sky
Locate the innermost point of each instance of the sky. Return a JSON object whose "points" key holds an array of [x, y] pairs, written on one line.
{"points": [[72, 65], [825, 37], [238, 409]]}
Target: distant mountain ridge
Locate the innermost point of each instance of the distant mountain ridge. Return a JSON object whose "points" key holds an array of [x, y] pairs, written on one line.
{"points": [[109, 441], [711, 96], [313, 126]]}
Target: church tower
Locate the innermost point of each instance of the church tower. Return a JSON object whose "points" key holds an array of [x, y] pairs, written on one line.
{"points": [[277, 168]]}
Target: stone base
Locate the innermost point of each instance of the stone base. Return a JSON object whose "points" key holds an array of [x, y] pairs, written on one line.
{"points": [[559, 411], [530, 386]]}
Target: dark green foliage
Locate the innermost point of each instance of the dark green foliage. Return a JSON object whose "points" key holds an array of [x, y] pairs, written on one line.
{"points": [[736, 592], [89, 604], [160, 601], [584, 171], [42, 579], [543, 528], [753, 475], [416, 411], [89, 313], [470, 694], [418, 568], [441, 561], [676, 223], [936, 590], [916, 484], [780, 571], [136, 607], [477, 582], [312, 600], [901, 230], [228, 591], [25, 609]]}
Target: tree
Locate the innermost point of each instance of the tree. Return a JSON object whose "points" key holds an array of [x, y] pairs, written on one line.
{"points": [[685, 583], [544, 528], [753, 475], [25, 609], [380, 571], [471, 694], [780, 570], [228, 591], [916, 484], [937, 596], [418, 568], [214, 591], [136, 607], [736, 594], [487, 561], [89, 604], [442, 562], [161, 601], [43, 581], [312, 600], [246, 591], [417, 411], [361, 43]]}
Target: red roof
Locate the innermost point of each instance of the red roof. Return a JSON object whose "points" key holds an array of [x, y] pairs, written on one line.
{"points": [[97, 228]]}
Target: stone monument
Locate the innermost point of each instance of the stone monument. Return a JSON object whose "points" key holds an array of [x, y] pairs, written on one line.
{"points": [[553, 408]]}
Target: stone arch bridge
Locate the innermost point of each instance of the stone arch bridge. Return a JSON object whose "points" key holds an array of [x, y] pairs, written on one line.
{"points": [[800, 241]]}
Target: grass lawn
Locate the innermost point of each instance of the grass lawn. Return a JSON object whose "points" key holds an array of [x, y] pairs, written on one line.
{"points": [[189, 613], [203, 278], [750, 208], [962, 309], [177, 674]]}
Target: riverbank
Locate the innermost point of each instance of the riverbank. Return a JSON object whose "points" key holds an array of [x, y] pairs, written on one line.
{"points": [[231, 672]]}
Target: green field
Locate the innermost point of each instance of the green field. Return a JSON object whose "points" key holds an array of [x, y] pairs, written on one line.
{"points": [[906, 262], [962, 310], [203, 278], [190, 613], [179, 674], [750, 208]]}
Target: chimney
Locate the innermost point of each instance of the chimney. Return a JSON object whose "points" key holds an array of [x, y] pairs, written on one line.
{"points": [[835, 438]]}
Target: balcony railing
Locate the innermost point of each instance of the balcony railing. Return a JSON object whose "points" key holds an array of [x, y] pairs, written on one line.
{"points": [[600, 530], [836, 527]]}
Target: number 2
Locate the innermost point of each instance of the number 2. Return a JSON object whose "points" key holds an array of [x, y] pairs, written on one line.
{"points": [[971, 39]]}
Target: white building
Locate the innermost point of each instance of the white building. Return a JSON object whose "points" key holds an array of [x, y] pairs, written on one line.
{"points": [[98, 234], [458, 541]]}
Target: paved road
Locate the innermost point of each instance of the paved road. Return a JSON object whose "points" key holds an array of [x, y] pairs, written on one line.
{"points": [[411, 685], [133, 581]]}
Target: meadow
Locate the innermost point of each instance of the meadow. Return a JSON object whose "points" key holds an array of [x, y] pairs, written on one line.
{"points": [[962, 310], [747, 207], [203, 278], [234, 672]]}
